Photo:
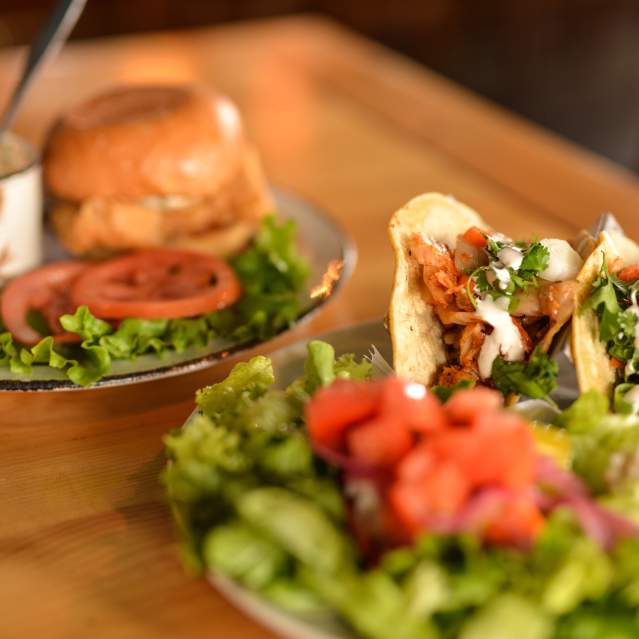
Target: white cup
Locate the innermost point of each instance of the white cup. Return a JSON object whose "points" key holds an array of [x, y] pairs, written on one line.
{"points": [[20, 207]]}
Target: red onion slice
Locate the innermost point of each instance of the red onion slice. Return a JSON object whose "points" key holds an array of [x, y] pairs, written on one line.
{"points": [[345, 462], [559, 487], [557, 481]]}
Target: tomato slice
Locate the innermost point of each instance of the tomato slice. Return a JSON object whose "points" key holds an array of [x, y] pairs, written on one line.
{"points": [[157, 283], [46, 290]]}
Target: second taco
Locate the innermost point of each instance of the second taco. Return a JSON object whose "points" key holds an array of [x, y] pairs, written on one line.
{"points": [[605, 330]]}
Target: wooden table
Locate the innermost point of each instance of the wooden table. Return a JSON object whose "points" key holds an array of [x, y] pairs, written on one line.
{"points": [[86, 544]]}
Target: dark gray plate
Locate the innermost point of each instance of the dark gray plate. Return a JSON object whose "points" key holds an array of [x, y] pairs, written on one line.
{"points": [[320, 240], [288, 365]]}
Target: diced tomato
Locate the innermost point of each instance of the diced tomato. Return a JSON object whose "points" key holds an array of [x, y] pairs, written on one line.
{"points": [[347, 403], [459, 444], [380, 442], [441, 492], [499, 450], [446, 488], [629, 273], [505, 450], [433, 460], [475, 236], [342, 404], [616, 363], [410, 402], [466, 404], [417, 464], [519, 522], [410, 507]]}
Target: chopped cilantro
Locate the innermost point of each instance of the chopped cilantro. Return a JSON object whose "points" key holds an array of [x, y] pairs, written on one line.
{"points": [[536, 378], [611, 299], [535, 259], [444, 393], [493, 246]]}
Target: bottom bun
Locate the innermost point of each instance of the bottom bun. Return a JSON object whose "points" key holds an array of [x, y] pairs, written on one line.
{"points": [[220, 224], [221, 242]]}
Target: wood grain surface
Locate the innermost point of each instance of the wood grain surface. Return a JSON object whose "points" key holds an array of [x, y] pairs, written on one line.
{"points": [[86, 545]]}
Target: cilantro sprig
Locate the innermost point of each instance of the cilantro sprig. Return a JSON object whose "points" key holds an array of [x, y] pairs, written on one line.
{"points": [[444, 393]]}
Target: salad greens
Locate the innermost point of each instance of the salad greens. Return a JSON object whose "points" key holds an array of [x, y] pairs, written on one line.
{"points": [[604, 446], [246, 435], [253, 503], [272, 275]]}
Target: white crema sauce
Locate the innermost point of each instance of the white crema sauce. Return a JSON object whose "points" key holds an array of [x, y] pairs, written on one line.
{"points": [[505, 340], [564, 263]]}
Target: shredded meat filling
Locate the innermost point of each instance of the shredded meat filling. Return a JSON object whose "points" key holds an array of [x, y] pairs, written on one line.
{"points": [[445, 287]]}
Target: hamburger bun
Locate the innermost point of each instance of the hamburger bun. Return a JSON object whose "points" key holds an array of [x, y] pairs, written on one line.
{"points": [[150, 166]]}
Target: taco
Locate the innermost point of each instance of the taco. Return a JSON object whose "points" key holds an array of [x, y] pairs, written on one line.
{"points": [[605, 329], [470, 305]]}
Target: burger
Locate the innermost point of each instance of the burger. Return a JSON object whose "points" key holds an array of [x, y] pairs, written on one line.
{"points": [[148, 166]]}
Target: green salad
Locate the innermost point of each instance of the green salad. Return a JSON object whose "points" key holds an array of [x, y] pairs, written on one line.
{"points": [[256, 498], [272, 276]]}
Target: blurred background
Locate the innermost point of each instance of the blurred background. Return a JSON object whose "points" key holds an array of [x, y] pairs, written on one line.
{"points": [[570, 65]]}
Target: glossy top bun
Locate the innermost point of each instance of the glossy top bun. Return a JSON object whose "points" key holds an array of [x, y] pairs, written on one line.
{"points": [[142, 141]]}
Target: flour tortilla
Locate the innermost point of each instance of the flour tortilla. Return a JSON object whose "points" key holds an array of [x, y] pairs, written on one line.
{"points": [[416, 332], [592, 363]]}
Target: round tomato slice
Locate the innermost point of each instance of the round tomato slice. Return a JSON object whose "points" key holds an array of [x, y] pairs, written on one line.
{"points": [[158, 283], [45, 290]]}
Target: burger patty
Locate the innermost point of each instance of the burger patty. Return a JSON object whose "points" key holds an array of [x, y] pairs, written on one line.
{"points": [[98, 226]]}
